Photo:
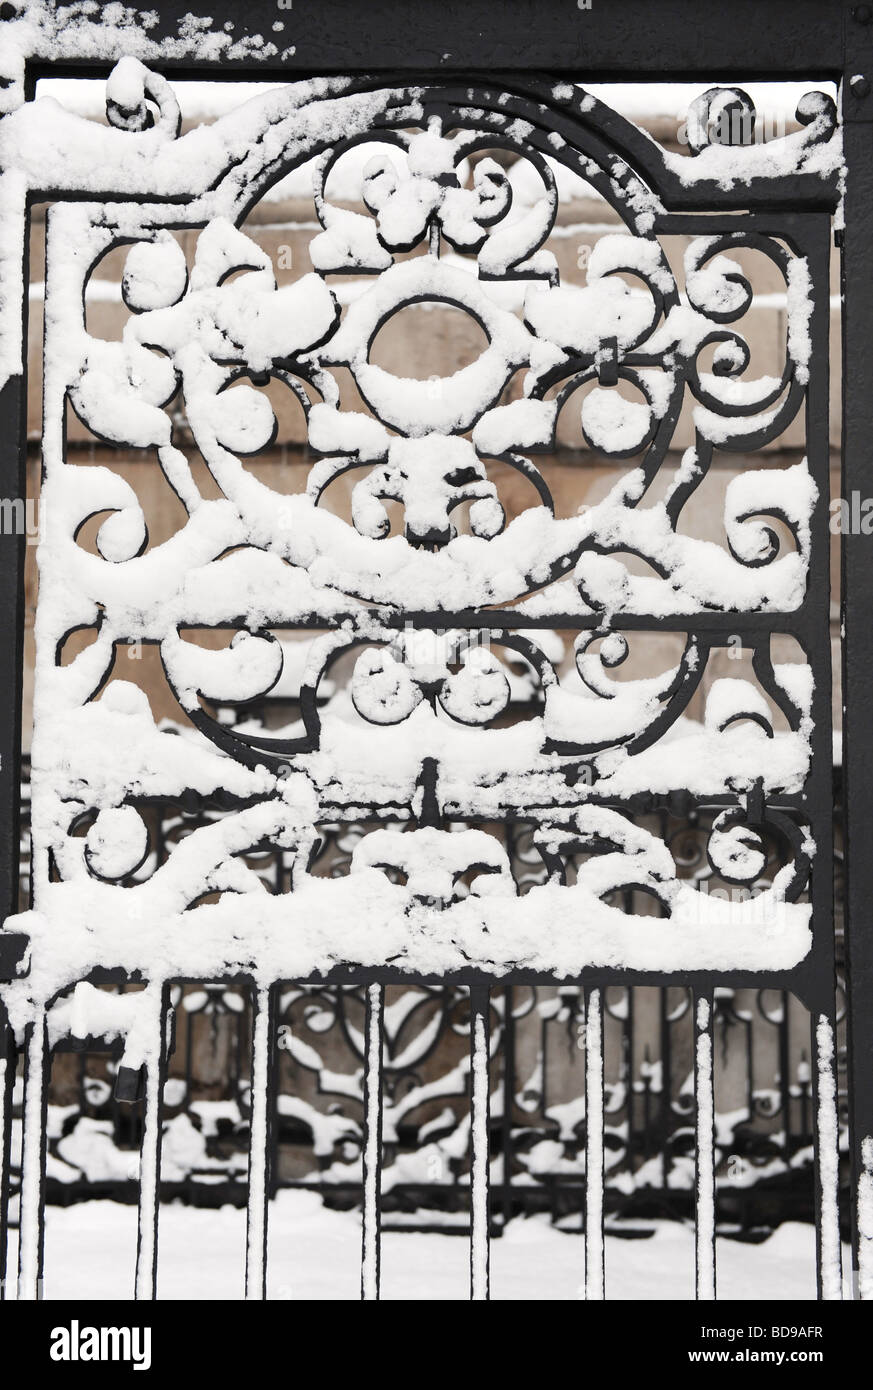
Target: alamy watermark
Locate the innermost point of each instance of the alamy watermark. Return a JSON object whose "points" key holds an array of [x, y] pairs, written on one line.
{"points": [[851, 516], [736, 124], [77, 1343], [21, 516]]}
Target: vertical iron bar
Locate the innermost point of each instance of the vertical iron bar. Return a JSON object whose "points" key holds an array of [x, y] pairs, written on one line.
{"points": [[827, 1150], [665, 1104], [261, 1117], [815, 243], [13, 547], [508, 1050], [14, 272], [480, 1006], [37, 1062], [372, 1155], [627, 1055], [704, 1102], [857, 627], [146, 1278], [8, 1063], [595, 1273], [784, 1047]]}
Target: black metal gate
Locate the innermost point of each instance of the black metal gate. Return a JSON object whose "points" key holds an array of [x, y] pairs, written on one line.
{"points": [[429, 619]]}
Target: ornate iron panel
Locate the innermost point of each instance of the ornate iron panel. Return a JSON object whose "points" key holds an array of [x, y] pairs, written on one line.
{"points": [[430, 615], [762, 1090]]}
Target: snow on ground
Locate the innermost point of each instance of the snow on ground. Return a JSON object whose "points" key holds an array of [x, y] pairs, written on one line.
{"points": [[315, 1255]]}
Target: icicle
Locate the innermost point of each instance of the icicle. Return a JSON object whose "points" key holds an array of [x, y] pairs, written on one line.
{"points": [[828, 1151], [372, 1144], [261, 1100], [705, 1204], [594, 1262], [479, 1110]]}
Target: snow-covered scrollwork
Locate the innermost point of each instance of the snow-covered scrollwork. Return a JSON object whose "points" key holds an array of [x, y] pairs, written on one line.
{"points": [[427, 444], [397, 592]]}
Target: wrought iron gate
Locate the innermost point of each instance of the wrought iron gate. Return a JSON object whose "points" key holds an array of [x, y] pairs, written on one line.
{"points": [[429, 619]]}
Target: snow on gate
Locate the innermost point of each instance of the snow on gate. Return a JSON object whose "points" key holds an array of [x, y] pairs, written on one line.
{"points": [[420, 739]]}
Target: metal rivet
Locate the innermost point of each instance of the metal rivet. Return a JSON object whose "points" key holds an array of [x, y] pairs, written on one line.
{"points": [[860, 86]]}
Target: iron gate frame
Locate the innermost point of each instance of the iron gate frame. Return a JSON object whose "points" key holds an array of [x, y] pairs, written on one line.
{"points": [[467, 40]]}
